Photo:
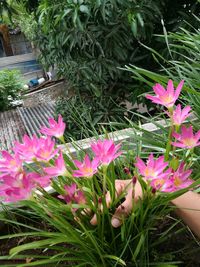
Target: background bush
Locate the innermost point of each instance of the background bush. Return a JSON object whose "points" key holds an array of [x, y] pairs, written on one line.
{"points": [[10, 87], [89, 40]]}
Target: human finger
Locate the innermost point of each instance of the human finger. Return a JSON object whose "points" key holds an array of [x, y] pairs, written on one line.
{"points": [[123, 210], [119, 188]]}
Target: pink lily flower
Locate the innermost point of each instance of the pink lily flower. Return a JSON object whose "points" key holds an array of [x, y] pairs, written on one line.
{"points": [[154, 168], [46, 149], [16, 188], [106, 151], [162, 185], [28, 148], [59, 168], [73, 194], [39, 180], [186, 139], [178, 180], [55, 128], [10, 163], [167, 97], [179, 115], [86, 168]]}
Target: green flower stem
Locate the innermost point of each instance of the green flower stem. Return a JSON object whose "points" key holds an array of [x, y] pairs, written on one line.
{"points": [[104, 167], [177, 127], [62, 139], [168, 146]]}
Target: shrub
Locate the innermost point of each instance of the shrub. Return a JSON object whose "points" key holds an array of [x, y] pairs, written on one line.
{"points": [[89, 40], [10, 87]]}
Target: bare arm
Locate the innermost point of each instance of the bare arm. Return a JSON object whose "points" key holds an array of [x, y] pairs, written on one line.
{"points": [[188, 208]]}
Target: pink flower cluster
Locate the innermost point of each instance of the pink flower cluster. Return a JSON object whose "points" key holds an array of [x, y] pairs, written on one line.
{"points": [[105, 152], [16, 183], [167, 98], [169, 180], [160, 177]]}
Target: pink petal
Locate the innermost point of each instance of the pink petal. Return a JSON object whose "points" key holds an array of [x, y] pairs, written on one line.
{"points": [[159, 89], [178, 89], [87, 161], [178, 144], [170, 88]]}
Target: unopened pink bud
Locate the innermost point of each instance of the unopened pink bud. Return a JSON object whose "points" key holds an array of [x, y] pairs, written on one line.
{"points": [[127, 170], [100, 200], [153, 190], [134, 180]]}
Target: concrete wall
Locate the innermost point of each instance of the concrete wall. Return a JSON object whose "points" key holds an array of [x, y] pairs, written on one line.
{"points": [[19, 44], [48, 94]]}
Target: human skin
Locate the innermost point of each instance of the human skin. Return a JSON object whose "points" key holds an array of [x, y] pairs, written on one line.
{"points": [[188, 208], [188, 205]]}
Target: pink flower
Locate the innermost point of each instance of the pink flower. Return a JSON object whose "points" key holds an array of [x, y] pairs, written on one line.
{"points": [[186, 139], [59, 168], [167, 97], [161, 184], [179, 179], [39, 179], [86, 168], [179, 115], [73, 194], [28, 148], [154, 168], [46, 149], [10, 163], [55, 128], [106, 151], [16, 188], [36, 148]]}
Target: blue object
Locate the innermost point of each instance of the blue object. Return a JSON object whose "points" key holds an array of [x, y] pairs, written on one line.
{"points": [[33, 82]]}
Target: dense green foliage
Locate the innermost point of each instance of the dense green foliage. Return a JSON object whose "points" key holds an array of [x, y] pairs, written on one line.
{"points": [[6, 10], [89, 40], [10, 87]]}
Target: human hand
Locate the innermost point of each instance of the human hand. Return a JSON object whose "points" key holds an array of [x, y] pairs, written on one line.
{"points": [[133, 193]]}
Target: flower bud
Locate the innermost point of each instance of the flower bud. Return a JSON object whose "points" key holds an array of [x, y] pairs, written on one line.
{"points": [[153, 191], [100, 200], [134, 180], [127, 170]]}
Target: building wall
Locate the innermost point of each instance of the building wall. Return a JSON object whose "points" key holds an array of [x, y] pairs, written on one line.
{"points": [[19, 44]]}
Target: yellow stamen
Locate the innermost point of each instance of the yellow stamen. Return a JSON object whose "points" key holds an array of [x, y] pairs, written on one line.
{"points": [[177, 181], [149, 172], [189, 141]]}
